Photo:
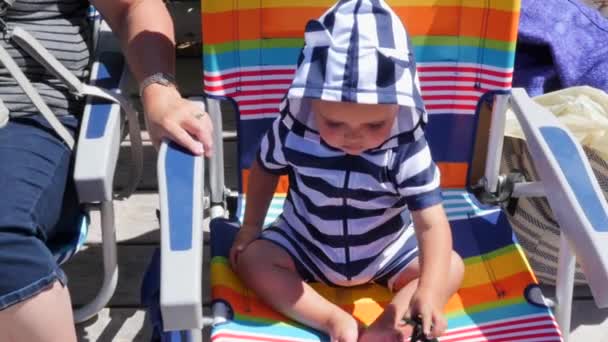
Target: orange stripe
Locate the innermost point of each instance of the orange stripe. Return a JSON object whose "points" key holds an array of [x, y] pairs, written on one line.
{"points": [[459, 21], [226, 27], [251, 305], [282, 185], [246, 305], [453, 175], [420, 21], [512, 287]]}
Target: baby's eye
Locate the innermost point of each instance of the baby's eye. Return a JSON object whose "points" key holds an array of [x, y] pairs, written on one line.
{"points": [[333, 124], [375, 126]]}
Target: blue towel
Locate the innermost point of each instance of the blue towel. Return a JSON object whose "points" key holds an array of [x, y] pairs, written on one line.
{"points": [[561, 43]]}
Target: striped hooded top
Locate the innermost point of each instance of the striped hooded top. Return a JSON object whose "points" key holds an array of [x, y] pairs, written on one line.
{"points": [[346, 218]]}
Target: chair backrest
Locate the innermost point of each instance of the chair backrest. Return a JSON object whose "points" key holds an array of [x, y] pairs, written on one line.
{"points": [[463, 49]]}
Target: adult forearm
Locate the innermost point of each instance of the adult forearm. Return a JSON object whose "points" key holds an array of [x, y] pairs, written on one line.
{"points": [[146, 34]]}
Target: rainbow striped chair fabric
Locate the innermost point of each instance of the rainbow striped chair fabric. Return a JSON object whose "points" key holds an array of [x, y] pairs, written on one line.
{"points": [[464, 48]]}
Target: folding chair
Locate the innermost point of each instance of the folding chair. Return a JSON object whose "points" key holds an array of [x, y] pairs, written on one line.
{"points": [[96, 154], [464, 52]]}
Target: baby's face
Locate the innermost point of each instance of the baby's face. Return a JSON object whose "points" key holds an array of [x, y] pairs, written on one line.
{"points": [[353, 127]]}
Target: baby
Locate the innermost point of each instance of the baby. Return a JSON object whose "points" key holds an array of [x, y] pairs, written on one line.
{"points": [[364, 204]]}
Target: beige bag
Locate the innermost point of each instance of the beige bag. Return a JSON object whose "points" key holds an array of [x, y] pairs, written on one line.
{"points": [[584, 110]]}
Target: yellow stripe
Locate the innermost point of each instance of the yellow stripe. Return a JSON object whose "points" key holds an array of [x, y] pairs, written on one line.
{"points": [[476, 274], [222, 275], [501, 266], [214, 6]]}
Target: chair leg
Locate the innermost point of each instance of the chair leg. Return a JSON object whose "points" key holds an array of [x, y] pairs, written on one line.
{"points": [[565, 286], [216, 164], [110, 266]]}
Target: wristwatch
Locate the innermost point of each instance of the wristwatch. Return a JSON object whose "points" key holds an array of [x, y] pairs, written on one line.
{"points": [[161, 78]]}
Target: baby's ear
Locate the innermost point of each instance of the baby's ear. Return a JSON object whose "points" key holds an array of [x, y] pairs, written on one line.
{"points": [[317, 35], [398, 57]]}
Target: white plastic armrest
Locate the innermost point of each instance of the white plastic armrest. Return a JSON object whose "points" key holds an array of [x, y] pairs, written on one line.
{"points": [[180, 183], [571, 189], [99, 138]]}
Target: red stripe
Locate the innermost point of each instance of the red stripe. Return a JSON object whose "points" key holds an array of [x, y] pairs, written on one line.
{"points": [[483, 332], [250, 83], [508, 323], [237, 74], [450, 106], [450, 97], [463, 79], [259, 111], [423, 69], [523, 338], [248, 338], [262, 92], [444, 87], [259, 102]]}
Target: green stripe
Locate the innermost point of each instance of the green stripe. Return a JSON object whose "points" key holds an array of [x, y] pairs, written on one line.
{"points": [[218, 259], [252, 45], [491, 255], [463, 41], [469, 310]]}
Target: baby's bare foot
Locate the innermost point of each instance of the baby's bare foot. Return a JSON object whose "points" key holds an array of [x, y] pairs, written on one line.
{"points": [[342, 327]]}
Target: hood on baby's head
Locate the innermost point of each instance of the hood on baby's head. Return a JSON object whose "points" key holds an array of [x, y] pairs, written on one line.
{"points": [[358, 51]]}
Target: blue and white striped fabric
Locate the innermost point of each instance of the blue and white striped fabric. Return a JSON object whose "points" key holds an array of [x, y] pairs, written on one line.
{"points": [[346, 219]]}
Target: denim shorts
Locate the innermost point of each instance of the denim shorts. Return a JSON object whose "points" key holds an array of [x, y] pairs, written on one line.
{"points": [[37, 204]]}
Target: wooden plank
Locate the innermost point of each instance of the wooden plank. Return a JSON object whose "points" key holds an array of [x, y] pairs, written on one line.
{"points": [[588, 322], [85, 276], [116, 324], [135, 219], [123, 325]]}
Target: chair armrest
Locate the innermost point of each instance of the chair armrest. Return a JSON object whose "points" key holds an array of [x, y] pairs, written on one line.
{"points": [[100, 132], [570, 187], [180, 183]]}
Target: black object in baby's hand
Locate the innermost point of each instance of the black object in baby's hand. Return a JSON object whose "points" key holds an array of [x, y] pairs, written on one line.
{"points": [[418, 333]]}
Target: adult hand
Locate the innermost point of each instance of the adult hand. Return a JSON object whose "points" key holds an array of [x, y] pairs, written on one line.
{"points": [[168, 115]]}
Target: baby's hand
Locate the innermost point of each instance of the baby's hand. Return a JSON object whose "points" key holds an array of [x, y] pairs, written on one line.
{"points": [[423, 306], [245, 236]]}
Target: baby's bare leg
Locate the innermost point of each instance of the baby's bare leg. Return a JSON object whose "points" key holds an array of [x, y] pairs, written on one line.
{"points": [[270, 272]]}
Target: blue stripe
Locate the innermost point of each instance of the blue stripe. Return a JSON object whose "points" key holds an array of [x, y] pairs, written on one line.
{"points": [[424, 54], [569, 160], [250, 134], [464, 54], [108, 77], [264, 328], [316, 72], [449, 137], [480, 235], [179, 169], [385, 74]]}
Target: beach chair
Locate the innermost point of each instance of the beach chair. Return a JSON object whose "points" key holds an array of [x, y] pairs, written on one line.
{"points": [[465, 52], [96, 150]]}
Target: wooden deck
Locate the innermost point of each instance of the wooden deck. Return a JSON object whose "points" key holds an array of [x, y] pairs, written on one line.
{"points": [[138, 233]]}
